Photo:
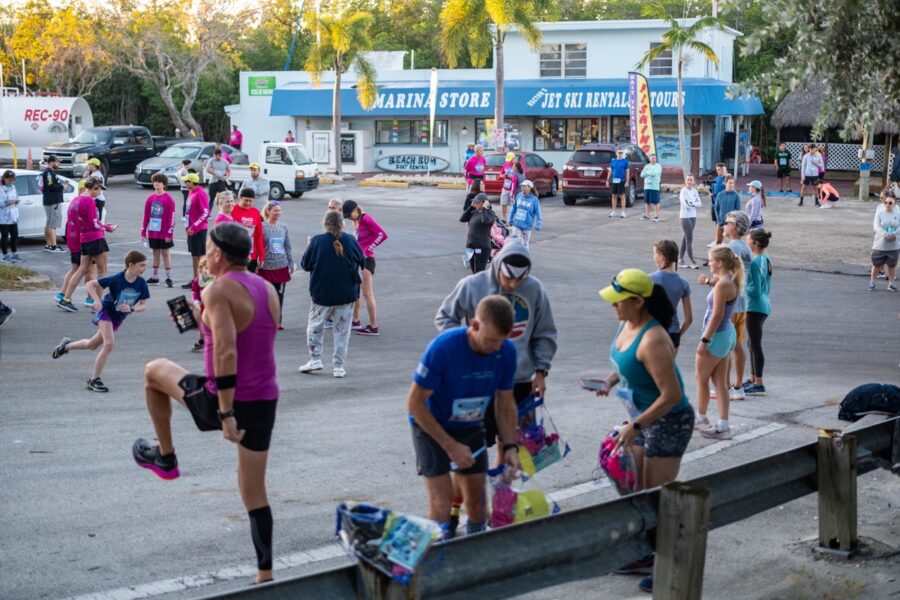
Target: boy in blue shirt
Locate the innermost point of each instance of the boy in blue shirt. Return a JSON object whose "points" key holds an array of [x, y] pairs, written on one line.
{"points": [[717, 186], [618, 180], [460, 372], [127, 292]]}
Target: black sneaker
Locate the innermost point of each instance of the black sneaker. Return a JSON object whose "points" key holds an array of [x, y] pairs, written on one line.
{"points": [[153, 280], [95, 385], [646, 584], [188, 285], [6, 314], [67, 305], [48, 247], [59, 249], [61, 348], [198, 346], [148, 457], [641, 566], [169, 283]]}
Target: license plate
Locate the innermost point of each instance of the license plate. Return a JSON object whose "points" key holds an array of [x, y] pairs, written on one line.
{"points": [[590, 173], [492, 177]]}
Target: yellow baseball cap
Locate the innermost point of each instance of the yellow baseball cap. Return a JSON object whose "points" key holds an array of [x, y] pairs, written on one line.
{"points": [[629, 283], [192, 177], [254, 165], [94, 161], [510, 156]]}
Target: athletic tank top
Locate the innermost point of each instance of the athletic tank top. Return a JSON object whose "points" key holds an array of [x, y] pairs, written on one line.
{"points": [[255, 346], [726, 316], [636, 388]]}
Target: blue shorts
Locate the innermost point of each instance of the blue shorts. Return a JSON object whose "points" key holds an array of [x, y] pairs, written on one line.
{"points": [[722, 342], [651, 196]]}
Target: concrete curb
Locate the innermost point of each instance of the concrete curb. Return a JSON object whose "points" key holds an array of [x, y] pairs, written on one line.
{"points": [[388, 184]]}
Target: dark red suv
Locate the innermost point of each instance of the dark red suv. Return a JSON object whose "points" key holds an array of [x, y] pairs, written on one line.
{"points": [[587, 172], [539, 171]]}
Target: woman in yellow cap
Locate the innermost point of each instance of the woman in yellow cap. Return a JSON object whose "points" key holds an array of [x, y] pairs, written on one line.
{"points": [[95, 169], [648, 383], [510, 183]]}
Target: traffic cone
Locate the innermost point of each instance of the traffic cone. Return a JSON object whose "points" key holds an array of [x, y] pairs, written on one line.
{"points": [[29, 163]]}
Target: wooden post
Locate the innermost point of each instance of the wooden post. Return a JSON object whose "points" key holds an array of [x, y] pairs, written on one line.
{"points": [[837, 494], [681, 542]]}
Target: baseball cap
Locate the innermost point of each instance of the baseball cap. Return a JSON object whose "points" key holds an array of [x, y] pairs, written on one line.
{"points": [[254, 165], [510, 156], [755, 183], [94, 182], [192, 177], [348, 207], [515, 266], [480, 198], [94, 161], [528, 183], [629, 283]]}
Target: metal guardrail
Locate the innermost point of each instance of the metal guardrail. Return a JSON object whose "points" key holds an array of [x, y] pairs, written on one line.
{"points": [[593, 540]]}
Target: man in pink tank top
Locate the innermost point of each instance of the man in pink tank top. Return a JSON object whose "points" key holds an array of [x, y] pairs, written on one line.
{"points": [[238, 393]]}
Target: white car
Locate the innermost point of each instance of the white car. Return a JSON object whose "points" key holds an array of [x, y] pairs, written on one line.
{"points": [[31, 203]]}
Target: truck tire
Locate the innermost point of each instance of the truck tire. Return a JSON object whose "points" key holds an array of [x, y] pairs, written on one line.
{"points": [[631, 195], [276, 191], [295, 194], [554, 185], [569, 199]]}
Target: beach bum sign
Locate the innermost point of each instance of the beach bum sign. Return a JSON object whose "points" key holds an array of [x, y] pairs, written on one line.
{"points": [[411, 163]]}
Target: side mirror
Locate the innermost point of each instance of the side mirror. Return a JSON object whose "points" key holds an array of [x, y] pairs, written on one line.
{"points": [[549, 164], [204, 156]]}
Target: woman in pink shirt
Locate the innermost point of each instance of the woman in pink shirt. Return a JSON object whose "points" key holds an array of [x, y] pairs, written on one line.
{"points": [[370, 235], [475, 166], [158, 228], [225, 204], [91, 235]]}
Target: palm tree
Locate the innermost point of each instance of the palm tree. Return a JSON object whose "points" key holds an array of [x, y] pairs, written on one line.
{"points": [[481, 26], [677, 40], [339, 38]]}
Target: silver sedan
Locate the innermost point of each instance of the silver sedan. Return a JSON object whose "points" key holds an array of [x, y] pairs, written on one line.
{"points": [[170, 161]]}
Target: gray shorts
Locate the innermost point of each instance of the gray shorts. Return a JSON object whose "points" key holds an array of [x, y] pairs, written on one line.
{"points": [[882, 258], [669, 436], [54, 216], [505, 199]]}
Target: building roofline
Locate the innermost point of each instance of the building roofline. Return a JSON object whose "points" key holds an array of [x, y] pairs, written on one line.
{"points": [[621, 25]]}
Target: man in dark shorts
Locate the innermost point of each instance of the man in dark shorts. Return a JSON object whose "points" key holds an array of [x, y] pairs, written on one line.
{"points": [[458, 375], [618, 180], [783, 166], [239, 392], [52, 189]]}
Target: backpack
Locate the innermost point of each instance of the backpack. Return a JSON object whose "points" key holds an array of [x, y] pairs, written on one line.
{"points": [[870, 398]]}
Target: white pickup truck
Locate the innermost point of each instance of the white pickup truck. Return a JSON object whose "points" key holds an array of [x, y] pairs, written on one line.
{"points": [[286, 165]]}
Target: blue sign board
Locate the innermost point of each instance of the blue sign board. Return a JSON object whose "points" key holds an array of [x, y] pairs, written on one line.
{"points": [[537, 97]]}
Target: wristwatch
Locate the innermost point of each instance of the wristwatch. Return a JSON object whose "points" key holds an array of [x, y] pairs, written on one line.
{"points": [[705, 340], [543, 372], [637, 426], [225, 415]]}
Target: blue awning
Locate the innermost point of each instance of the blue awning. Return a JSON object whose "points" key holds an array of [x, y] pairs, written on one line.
{"points": [[522, 98]]}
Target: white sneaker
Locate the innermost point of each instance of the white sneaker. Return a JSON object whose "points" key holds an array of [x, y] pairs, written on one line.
{"points": [[339, 372], [716, 434], [736, 394], [701, 423], [611, 214], [622, 214], [645, 218], [683, 265], [312, 365], [656, 219]]}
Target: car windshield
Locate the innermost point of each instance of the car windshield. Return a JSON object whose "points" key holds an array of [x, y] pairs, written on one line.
{"points": [[93, 137], [180, 152], [593, 157], [495, 160], [299, 155]]}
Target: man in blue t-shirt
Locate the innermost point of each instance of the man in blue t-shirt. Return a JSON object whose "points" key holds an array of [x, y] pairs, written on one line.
{"points": [[718, 185], [460, 372], [618, 180]]}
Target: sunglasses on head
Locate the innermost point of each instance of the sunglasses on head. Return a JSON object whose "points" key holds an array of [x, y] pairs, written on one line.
{"points": [[619, 288], [274, 202]]}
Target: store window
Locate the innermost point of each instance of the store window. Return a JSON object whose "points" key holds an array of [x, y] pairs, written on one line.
{"points": [[661, 66], [621, 130], [563, 60], [484, 127], [580, 132], [409, 133], [549, 134]]}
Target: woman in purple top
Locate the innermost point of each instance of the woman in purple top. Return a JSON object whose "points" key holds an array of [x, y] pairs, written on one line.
{"points": [[370, 235], [239, 391]]}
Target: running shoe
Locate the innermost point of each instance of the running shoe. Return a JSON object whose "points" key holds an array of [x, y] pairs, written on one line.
{"points": [[60, 297], [695, 265], [154, 280], [89, 302], [611, 214], [871, 287], [882, 275], [715, 433], [641, 566], [7, 258], [712, 393], [329, 324], [736, 394], [701, 423], [622, 214], [646, 584], [48, 248], [67, 305], [755, 390], [169, 282], [95, 385], [891, 287], [198, 346], [148, 457], [355, 325], [683, 265], [656, 219], [187, 286], [645, 218], [747, 384], [6, 314], [61, 348], [339, 372], [367, 330], [312, 365], [16, 258], [801, 201], [280, 327], [59, 249]]}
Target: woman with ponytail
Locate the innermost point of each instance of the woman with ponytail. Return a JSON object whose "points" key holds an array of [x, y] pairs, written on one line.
{"points": [[334, 260], [718, 337]]}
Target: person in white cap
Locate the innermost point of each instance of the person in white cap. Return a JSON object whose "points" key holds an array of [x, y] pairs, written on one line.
{"points": [[525, 215], [755, 204], [258, 184]]}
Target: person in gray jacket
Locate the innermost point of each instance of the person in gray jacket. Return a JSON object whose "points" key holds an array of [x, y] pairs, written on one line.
{"points": [[259, 185]]}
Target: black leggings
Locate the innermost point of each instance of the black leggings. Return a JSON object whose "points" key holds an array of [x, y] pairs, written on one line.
{"points": [[279, 289], [9, 237], [755, 322], [478, 262]]}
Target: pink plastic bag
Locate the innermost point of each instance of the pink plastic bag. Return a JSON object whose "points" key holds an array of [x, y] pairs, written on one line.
{"points": [[619, 466]]}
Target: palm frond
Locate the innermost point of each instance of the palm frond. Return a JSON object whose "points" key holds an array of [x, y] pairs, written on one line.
{"points": [[652, 54], [366, 82], [456, 20], [705, 51], [703, 23]]}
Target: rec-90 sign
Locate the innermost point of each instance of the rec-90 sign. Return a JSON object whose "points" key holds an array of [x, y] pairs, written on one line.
{"points": [[59, 114]]}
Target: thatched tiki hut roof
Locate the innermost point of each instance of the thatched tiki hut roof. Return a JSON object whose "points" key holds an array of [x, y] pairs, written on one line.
{"points": [[801, 107]]}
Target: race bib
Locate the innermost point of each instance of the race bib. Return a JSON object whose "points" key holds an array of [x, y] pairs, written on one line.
{"points": [[782, 162], [479, 167], [185, 219], [507, 184], [520, 215], [154, 225], [617, 180], [626, 397], [469, 410], [276, 245]]}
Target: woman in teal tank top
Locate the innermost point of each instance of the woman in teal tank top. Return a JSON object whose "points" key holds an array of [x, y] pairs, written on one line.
{"points": [[646, 379]]}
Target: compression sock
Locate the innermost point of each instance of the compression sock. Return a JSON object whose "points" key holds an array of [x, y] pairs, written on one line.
{"points": [[454, 508], [722, 425], [472, 527], [261, 531], [168, 273]]}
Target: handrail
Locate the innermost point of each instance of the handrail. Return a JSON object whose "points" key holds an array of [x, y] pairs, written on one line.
{"points": [[592, 540], [15, 153]]}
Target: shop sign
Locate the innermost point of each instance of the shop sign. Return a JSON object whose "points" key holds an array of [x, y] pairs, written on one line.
{"points": [[411, 163], [261, 86]]}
